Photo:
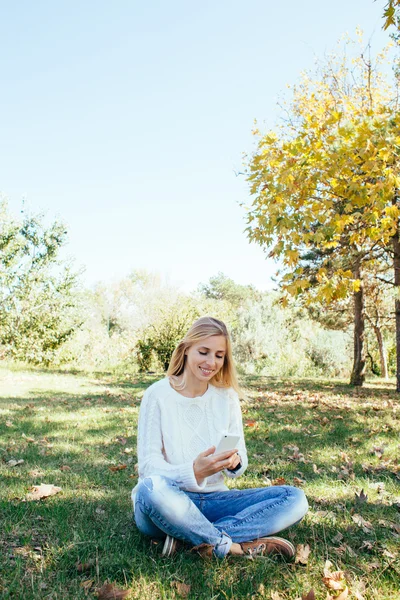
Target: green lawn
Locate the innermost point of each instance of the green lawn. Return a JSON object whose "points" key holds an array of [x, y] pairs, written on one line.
{"points": [[70, 430]]}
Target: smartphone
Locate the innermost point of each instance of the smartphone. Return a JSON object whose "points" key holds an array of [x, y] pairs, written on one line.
{"points": [[227, 442]]}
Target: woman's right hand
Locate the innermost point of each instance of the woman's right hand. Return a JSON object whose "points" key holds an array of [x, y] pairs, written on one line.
{"points": [[207, 463]]}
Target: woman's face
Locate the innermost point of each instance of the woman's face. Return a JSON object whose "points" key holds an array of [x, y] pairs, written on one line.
{"points": [[205, 358]]}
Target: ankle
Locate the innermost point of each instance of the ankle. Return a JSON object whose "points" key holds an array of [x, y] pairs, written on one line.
{"points": [[235, 549]]}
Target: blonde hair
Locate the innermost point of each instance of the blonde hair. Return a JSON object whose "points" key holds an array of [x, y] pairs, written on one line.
{"points": [[201, 329]]}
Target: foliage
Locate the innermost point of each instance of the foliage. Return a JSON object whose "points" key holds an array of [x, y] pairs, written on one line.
{"points": [[271, 340], [39, 297], [326, 180], [392, 14], [162, 337], [221, 287]]}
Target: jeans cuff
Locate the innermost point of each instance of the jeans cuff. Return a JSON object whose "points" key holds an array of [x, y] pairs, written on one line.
{"points": [[222, 548]]}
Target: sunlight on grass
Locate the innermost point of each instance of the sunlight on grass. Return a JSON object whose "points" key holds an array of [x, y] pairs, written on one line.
{"points": [[72, 430]]}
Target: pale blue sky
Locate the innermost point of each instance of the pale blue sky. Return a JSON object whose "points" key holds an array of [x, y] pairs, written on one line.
{"points": [[129, 119]]}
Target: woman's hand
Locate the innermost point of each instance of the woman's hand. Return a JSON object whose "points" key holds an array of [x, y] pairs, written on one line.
{"points": [[207, 463]]}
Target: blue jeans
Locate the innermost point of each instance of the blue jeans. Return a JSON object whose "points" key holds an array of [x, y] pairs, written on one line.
{"points": [[215, 518]]}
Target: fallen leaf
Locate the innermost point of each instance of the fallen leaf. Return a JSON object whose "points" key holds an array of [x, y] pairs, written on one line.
{"points": [[342, 596], [87, 584], [345, 548], [367, 545], [388, 554], [309, 596], [338, 538], [298, 481], [86, 566], [109, 591], [302, 553], [122, 440], [36, 473], [44, 490], [361, 497], [276, 596], [182, 588], [250, 423], [279, 481], [128, 450], [373, 565], [378, 451], [9, 423], [65, 468], [335, 581], [118, 468], [366, 526], [13, 462]]}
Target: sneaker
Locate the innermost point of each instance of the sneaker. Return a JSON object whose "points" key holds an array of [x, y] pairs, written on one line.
{"points": [[204, 550], [170, 546], [268, 545]]}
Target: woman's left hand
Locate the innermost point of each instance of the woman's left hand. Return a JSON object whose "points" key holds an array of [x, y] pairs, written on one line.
{"points": [[234, 461]]}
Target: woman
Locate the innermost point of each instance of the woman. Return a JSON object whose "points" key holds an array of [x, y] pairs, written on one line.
{"points": [[181, 494]]}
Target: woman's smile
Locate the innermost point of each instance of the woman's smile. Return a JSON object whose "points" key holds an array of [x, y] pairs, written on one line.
{"points": [[206, 372]]}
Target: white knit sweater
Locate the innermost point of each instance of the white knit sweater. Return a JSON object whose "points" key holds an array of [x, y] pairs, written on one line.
{"points": [[173, 430]]}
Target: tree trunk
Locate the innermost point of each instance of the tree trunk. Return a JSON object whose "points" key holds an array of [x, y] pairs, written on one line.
{"points": [[396, 265], [358, 373], [382, 352]]}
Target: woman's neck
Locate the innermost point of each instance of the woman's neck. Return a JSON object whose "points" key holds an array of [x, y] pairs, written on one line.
{"points": [[192, 389]]}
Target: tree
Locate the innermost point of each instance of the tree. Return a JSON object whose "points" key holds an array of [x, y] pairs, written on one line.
{"points": [[221, 287], [326, 182], [38, 302], [161, 337]]}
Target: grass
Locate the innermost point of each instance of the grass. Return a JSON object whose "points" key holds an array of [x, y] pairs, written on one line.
{"points": [[70, 429]]}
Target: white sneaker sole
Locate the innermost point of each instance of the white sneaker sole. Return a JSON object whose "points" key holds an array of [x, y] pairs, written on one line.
{"points": [[169, 546]]}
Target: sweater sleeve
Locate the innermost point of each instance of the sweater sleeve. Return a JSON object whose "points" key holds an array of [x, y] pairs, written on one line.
{"points": [[236, 427], [151, 458]]}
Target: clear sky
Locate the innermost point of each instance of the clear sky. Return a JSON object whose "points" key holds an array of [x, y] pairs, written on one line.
{"points": [[128, 119]]}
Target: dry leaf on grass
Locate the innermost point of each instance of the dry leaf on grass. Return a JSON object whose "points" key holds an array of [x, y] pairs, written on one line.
{"points": [[302, 553], [44, 490], [279, 481], [342, 596], [86, 566], [361, 497], [183, 589], [118, 468], [87, 584], [366, 526], [345, 548], [298, 481], [276, 596], [250, 423], [309, 596], [109, 591], [36, 473], [13, 462], [334, 580], [65, 468]]}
